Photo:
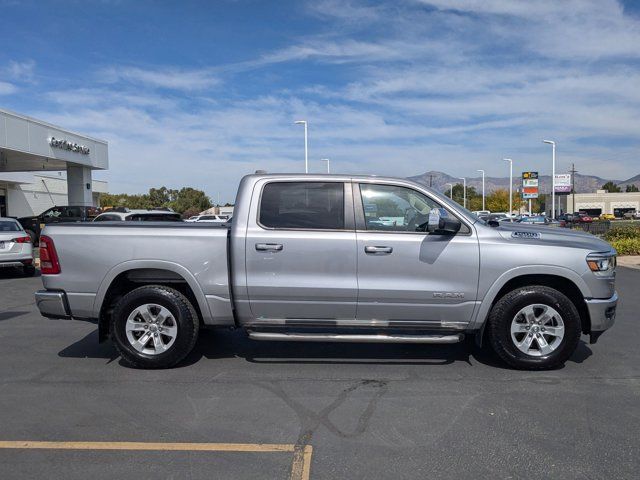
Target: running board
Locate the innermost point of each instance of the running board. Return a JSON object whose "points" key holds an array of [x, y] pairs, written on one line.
{"points": [[354, 338]]}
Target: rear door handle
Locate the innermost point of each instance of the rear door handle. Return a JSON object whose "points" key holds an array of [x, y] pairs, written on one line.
{"points": [[378, 250], [269, 247]]}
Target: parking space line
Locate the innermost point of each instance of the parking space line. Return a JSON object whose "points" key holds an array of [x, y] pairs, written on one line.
{"points": [[300, 467]]}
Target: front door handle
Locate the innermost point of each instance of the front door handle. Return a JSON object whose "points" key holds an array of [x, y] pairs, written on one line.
{"points": [[269, 247], [378, 250]]}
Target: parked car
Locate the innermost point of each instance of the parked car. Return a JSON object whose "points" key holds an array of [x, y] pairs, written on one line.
{"points": [[58, 214], [307, 259], [126, 215], [582, 218], [16, 249], [631, 216], [209, 218], [539, 220], [607, 216]]}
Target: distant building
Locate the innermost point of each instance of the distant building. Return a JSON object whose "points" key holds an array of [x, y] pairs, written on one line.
{"points": [[604, 202], [26, 195], [219, 211], [30, 145]]}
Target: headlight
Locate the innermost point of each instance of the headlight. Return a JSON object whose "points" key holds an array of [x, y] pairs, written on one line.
{"points": [[601, 264]]}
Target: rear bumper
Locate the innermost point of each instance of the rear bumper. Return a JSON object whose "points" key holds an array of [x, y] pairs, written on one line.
{"points": [[602, 313], [13, 260], [53, 304]]}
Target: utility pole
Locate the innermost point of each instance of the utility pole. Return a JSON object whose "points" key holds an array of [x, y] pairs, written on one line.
{"points": [[573, 185]]}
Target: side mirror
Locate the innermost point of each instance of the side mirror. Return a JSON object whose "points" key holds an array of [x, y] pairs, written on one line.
{"points": [[440, 222]]}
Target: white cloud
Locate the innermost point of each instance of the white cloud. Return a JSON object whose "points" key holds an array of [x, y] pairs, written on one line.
{"points": [[7, 88], [167, 77]]}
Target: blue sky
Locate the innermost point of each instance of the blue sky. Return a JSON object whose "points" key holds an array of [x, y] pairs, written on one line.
{"points": [[201, 93]]}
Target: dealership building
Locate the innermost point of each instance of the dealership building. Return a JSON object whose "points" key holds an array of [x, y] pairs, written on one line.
{"points": [[42, 165], [604, 202]]}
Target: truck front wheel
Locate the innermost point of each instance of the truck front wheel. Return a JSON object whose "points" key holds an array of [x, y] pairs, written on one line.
{"points": [[534, 328], [154, 327]]}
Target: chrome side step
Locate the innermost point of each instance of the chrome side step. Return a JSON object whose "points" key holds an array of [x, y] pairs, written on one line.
{"points": [[354, 338]]}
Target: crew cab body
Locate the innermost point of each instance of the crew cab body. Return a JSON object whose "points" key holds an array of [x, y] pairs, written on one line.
{"points": [[331, 258]]}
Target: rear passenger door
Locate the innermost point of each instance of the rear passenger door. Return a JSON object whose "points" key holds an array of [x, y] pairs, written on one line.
{"points": [[301, 251]]}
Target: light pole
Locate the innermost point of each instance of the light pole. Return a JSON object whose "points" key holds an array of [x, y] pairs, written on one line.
{"points": [[553, 177], [510, 185], [482, 188], [326, 160], [451, 190], [464, 191], [306, 151]]}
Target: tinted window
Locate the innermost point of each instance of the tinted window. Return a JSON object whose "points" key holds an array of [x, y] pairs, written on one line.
{"points": [[208, 217], [72, 212], [395, 209], [308, 205], [154, 217], [107, 218], [54, 212], [7, 226]]}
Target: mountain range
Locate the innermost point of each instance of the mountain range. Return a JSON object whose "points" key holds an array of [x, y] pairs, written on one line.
{"points": [[583, 183]]}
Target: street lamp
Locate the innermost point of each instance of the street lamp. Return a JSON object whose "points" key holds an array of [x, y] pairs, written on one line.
{"points": [[326, 160], [464, 191], [451, 190], [553, 177], [306, 151], [510, 185], [482, 188]]}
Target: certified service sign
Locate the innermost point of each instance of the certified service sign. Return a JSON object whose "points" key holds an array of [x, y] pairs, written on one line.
{"points": [[67, 145]]}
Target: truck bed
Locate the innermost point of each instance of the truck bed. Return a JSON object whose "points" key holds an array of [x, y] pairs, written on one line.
{"points": [[92, 255]]}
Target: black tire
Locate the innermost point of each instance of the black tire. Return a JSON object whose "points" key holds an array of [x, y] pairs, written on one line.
{"points": [[505, 310], [186, 320], [34, 238], [28, 270]]}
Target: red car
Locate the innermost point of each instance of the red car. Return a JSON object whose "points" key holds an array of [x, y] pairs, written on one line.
{"points": [[584, 218]]}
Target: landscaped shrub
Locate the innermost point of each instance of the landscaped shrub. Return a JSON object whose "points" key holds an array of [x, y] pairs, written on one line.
{"points": [[628, 232], [626, 246]]}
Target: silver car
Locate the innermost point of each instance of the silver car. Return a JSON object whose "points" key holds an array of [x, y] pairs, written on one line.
{"points": [[16, 249]]}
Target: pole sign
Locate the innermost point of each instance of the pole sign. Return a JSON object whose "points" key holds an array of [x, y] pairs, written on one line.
{"points": [[563, 183], [529, 185]]}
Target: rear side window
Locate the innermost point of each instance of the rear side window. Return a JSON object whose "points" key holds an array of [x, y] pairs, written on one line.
{"points": [[7, 226], [304, 205]]}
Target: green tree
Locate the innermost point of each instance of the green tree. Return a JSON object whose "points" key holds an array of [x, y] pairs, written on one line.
{"points": [[189, 198], [611, 187], [498, 201], [474, 201], [631, 188]]}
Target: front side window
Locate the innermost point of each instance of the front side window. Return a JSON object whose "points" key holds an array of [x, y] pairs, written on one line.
{"points": [[304, 205], [54, 212], [395, 209]]}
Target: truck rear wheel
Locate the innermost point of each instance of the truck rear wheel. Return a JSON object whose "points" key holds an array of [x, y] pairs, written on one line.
{"points": [[534, 328], [154, 327]]}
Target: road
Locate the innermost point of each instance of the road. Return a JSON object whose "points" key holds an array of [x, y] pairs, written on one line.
{"points": [[368, 411]]}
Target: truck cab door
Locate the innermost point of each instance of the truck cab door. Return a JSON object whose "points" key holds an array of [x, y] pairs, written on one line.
{"points": [[407, 276], [300, 252]]}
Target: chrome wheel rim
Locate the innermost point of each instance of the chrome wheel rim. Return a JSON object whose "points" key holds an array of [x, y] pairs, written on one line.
{"points": [[151, 329], [537, 330]]}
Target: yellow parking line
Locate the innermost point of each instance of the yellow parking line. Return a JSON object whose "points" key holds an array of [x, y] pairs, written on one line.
{"points": [[300, 467], [207, 447]]}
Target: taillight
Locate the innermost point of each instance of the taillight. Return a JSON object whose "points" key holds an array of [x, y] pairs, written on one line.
{"points": [[49, 264], [26, 239]]}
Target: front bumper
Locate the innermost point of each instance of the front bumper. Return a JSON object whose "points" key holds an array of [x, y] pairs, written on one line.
{"points": [[602, 313], [53, 304]]}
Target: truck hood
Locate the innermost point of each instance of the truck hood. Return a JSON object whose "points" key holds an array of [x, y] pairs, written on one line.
{"points": [[562, 237]]}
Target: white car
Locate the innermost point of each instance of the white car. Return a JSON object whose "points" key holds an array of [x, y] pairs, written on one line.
{"points": [[126, 215], [209, 218], [16, 249]]}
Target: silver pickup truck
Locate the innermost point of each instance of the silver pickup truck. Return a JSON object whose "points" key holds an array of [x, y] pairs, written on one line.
{"points": [[332, 258]]}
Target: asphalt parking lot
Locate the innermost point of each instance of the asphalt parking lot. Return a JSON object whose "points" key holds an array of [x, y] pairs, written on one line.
{"points": [[368, 411]]}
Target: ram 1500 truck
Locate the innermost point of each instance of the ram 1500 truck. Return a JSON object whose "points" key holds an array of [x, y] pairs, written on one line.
{"points": [[332, 258]]}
